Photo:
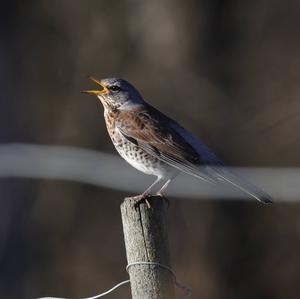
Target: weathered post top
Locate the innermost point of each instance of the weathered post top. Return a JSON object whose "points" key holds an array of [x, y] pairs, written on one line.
{"points": [[146, 240]]}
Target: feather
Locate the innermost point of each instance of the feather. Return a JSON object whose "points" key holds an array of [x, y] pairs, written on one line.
{"points": [[226, 176], [166, 140]]}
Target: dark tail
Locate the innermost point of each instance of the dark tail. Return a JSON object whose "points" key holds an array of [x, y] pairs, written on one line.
{"points": [[224, 175]]}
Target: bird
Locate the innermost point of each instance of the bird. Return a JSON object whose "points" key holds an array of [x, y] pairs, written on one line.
{"points": [[156, 145]]}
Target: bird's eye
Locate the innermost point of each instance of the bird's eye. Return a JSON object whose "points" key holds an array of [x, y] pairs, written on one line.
{"points": [[115, 88]]}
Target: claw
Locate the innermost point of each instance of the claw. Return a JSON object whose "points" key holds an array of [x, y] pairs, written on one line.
{"points": [[140, 199]]}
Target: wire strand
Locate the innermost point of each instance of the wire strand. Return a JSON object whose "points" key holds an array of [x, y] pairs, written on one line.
{"points": [[97, 296], [188, 291]]}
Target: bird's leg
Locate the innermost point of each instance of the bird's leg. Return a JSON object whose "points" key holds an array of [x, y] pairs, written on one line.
{"points": [[143, 197], [162, 189]]}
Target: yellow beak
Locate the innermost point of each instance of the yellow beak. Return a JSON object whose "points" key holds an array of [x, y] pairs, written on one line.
{"points": [[103, 90]]}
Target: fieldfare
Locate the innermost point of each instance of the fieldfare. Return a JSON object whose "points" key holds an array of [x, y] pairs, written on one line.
{"points": [[157, 145]]}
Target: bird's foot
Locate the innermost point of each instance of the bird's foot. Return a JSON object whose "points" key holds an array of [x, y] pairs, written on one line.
{"points": [[140, 199]]}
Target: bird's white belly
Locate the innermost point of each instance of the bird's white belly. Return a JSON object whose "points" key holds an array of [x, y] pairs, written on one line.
{"points": [[139, 165], [142, 161]]}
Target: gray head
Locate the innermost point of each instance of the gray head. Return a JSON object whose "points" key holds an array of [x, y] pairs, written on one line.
{"points": [[116, 93]]}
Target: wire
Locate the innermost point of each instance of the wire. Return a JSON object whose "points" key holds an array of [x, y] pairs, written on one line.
{"points": [[97, 296], [188, 291]]}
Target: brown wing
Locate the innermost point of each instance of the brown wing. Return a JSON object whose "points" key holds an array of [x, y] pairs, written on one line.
{"points": [[163, 138], [151, 130]]}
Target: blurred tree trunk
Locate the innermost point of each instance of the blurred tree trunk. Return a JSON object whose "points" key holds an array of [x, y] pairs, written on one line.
{"points": [[14, 194]]}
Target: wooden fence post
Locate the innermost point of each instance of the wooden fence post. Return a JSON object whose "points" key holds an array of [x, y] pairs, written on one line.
{"points": [[146, 240]]}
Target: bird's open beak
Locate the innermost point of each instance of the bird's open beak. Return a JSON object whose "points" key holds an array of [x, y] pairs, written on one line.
{"points": [[101, 91]]}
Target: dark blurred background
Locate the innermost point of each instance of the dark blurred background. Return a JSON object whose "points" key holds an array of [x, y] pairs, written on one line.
{"points": [[227, 70]]}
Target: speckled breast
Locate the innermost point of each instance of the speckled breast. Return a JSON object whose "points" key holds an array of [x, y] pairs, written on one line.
{"points": [[134, 155]]}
